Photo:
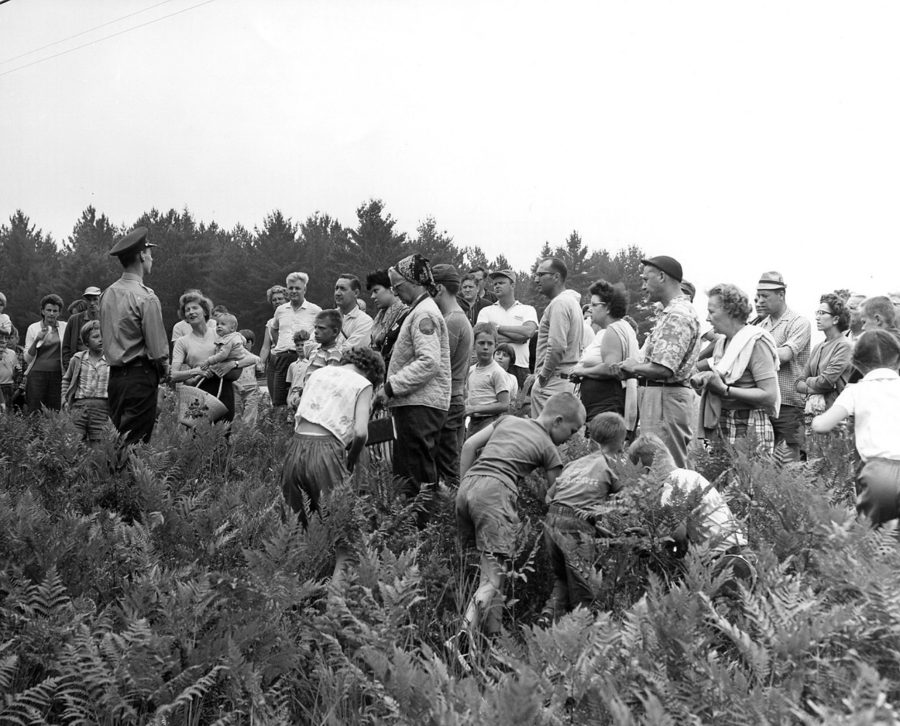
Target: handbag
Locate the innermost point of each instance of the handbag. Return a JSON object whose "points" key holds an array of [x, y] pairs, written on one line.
{"points": [[381, 430], [195, 404]]}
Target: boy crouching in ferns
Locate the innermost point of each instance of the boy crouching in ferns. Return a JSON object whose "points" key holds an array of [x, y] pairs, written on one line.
{"points": [[569, 531], [486, 501]]}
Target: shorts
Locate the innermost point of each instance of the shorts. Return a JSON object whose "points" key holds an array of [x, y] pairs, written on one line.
{"points": [[486, 513], [313, 466], [90, 416]]}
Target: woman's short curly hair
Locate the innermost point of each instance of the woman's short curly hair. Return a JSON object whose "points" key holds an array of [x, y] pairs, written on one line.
{"points": [[274, 290], [734, 301], [52, 299], [378, 277], [368, 361], [838, 309], [614, 297], [195, 297]]}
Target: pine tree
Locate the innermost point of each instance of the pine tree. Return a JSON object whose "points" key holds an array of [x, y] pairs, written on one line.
{"points": [[29, 268]]}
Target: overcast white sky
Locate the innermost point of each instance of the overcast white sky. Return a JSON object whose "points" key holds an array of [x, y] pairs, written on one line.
{"points": [[737, 137]]}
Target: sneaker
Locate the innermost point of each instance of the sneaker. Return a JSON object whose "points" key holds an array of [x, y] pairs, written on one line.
{"points": [[459, 648]]}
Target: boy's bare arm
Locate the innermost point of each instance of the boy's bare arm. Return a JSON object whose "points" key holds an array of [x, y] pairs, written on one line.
{"points": [[471, 447]]}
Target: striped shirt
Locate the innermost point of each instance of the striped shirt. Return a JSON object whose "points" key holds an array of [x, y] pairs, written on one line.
{"points": [[93, 378]]}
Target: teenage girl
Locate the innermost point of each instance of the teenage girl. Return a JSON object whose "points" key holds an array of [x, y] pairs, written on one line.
{"points": [[874, 403]]}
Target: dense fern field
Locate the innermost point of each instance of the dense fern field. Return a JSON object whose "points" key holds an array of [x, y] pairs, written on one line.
{"points": [[171, 587]]}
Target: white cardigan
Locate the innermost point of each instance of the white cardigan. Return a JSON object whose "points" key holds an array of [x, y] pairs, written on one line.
{"points": [[32, 332]]}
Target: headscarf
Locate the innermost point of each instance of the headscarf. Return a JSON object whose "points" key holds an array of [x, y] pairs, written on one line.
{"points": [[417, 270]]}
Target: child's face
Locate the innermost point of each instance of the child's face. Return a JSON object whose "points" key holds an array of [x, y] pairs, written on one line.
{"points": [[298, 346], [224, 326], [484, 348], [4, 341], [95, 341], [564, 426], [324, 333], [502, 358]]}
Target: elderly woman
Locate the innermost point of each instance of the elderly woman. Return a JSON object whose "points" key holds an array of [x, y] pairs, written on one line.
{"points": [[600, 389], [43, 355], [828, 368], [391, 311], [276, 295], [192, 350], [739, 381]]}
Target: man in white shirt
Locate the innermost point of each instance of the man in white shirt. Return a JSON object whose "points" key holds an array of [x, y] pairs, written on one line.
{"points": [[516, 323], [356, 326], [296, 314]]}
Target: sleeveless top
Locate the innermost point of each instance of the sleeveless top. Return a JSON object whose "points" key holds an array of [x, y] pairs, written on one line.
{"points": [[329, 400]]}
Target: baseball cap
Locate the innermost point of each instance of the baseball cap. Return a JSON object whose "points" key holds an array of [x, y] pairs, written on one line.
{"points": [[509, 274]]}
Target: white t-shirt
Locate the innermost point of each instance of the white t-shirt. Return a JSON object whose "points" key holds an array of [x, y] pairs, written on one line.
{"points": [[486, 383], [875, 401], [518, 314], [717, 523]]}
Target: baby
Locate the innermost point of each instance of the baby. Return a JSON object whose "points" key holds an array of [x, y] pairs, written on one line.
{"points": [[229, 346]]}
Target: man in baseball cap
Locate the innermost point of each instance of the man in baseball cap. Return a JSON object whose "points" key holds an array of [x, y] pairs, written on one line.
{"points": [[665, 398], [134, 340], [72, 343], [516, 323], [792, 336]]}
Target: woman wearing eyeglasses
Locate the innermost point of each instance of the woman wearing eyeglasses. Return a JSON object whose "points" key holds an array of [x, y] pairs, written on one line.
{"points": [[600, 389]]}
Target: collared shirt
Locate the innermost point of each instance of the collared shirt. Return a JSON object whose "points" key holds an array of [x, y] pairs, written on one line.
{"points": [[287, 321], [559, 334], [356, 329], [320, 357], [673, 341], [792, 331], [93, 378], [131, 322], [874, 403], [516, 315]]}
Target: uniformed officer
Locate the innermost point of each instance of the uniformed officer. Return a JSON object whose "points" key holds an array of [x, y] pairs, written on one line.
{"points": [[134, 340]]}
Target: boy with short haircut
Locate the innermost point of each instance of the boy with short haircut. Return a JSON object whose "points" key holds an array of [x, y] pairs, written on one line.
{"points": [[714, 520], [296, 371], [246, 389], [569, 532], [84, 385], [229, 346], [488, 383], [487, 496], [326, 351]]}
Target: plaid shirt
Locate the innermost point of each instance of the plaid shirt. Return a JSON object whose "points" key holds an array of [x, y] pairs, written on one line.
{"points": [[93, 378], [320, 357], [794, 332]]}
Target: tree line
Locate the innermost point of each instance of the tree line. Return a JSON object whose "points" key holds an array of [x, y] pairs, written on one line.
{"points": [[235, 267]]}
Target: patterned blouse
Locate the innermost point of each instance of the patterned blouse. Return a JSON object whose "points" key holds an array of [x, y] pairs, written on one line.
{"points": [[329, 400]]}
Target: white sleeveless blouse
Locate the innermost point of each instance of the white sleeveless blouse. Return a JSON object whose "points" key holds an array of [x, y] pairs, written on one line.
{"points": [[329, 400]]}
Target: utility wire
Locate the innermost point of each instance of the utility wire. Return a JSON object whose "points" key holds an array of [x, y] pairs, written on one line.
{"points": [[105, 37], [83, 32]]}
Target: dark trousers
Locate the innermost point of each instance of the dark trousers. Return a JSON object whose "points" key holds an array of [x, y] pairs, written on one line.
{"points": [[521, 373], [450, 442], [280, 364], [415, 451], [789, 429], [132, 399], [43, 388]]}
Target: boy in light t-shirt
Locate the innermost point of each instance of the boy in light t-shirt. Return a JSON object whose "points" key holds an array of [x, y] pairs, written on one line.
{"points": [[488, 383]]}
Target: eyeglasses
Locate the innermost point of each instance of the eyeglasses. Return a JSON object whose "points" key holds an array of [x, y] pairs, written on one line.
{"points": [[595, 304], [823, 312]]}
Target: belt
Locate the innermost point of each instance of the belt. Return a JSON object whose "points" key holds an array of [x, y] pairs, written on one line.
{"points": [[132, 364], [661, 384]]}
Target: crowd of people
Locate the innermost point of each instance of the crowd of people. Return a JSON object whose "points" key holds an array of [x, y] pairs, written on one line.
{"points": [[477, 390]]}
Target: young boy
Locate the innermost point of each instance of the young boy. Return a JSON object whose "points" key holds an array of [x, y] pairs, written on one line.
{"points": [[246, 389], [488, 383], [569, 526], [297, 371], [487, 497], [326, 351], [712, 520], [229, 345], [84, 385], [10, 370]]}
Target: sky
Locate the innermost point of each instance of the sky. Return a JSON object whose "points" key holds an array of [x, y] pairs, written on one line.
{"points": [[736, 137]]}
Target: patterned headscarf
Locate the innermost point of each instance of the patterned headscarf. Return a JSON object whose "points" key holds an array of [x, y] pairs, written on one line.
{"points": [[417, 270]]}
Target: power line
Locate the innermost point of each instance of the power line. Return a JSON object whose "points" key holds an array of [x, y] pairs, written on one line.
{"points": [[83, 32], [105, 37]]}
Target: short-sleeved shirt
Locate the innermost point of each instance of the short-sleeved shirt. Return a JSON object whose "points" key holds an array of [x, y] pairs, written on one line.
{"points": [[585, 483], [486, 383], [131, 322], [793, 331], [516, 315], [320, 357], [289, 321], [874, 402], [673, 341], [760, 367], [716, 520], [517, 447], [459, 336], [329, 400], [8, 364], [356, 330]]}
